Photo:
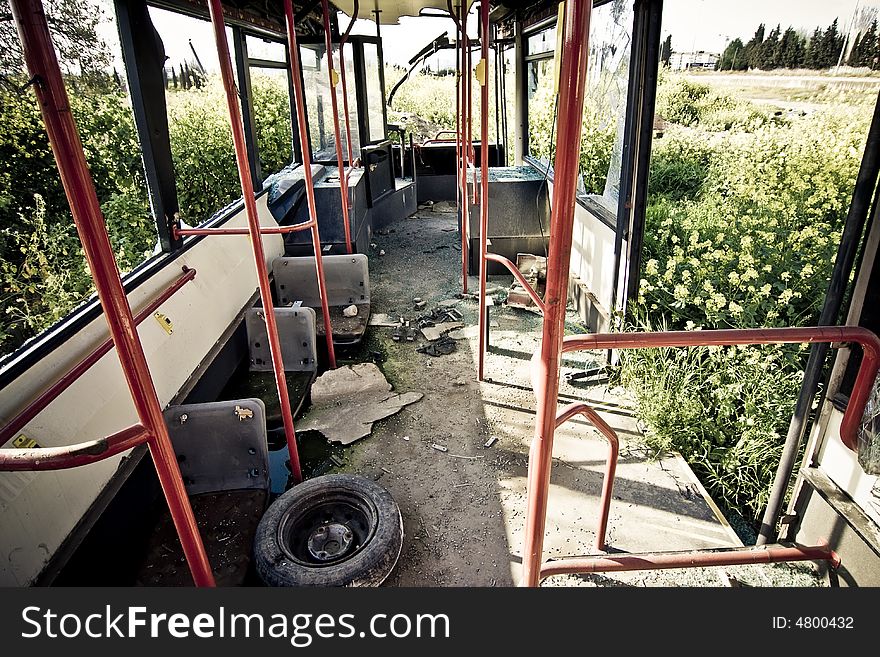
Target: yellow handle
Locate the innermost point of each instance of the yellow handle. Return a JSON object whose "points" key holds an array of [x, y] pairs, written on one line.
{"points": [[334, 77]]}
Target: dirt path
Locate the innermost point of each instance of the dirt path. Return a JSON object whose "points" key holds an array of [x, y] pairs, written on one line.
{"points": [[464, 508]]}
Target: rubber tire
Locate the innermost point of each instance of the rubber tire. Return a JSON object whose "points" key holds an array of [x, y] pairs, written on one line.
{"points": [[369, 566]]}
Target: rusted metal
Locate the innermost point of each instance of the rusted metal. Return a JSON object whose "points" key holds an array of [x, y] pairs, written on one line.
{"points": [[580, 408], [250, 204], [42, 63], [73, 456], [305, 149], [867, 340], [572, 78], [343, 181], [264, 230], [835, 335], [693, 559], [484, 180], [517, 274], [48, 395]]}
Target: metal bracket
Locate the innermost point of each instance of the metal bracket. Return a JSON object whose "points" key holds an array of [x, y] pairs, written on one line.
{"points": [[347, 278], [216, 449], [296, 330]]}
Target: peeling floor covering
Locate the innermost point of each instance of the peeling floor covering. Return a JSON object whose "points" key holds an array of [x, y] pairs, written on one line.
{"points": [[464, 509]]}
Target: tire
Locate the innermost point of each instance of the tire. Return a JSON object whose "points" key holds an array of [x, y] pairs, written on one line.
{"points": [[285, 553]]}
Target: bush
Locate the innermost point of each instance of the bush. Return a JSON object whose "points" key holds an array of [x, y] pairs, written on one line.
{"points": [[742, 231]]}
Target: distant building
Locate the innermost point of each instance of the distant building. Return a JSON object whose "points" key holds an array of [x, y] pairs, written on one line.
{"points": [[688, 60]]}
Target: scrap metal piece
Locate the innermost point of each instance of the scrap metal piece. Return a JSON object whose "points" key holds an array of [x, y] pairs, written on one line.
{"points": [[348, 400]]}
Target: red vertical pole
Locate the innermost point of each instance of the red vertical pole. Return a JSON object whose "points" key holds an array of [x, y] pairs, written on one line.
{"points": [[250, 204], [342, 43], [465, 114], [343, 180], [458, 193], [306, 150], [545, 374], [42, 63], [484, 178]]}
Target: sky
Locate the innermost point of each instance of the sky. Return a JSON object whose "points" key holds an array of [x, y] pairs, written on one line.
{"points": [[693, 24]]}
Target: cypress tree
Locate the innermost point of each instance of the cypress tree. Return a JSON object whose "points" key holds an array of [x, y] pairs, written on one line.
{"points": [[813, 54], [868, 47], [791, 49], [752, 51], [855, 57], [769, 58]]}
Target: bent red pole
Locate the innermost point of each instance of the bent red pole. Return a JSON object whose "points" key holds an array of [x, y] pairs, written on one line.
{"points": [[250, 204], [610, 465], [545, 374], [42, 64], [73, 456], [343, 186], [484, 177], [305, 149]]}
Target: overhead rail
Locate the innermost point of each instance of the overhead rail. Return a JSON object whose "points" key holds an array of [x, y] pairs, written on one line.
{"points": [[42, 64]]}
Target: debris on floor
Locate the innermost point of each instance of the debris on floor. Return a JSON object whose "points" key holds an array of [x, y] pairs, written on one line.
{"points": [[348, 400], [491, 441], [382, 319], [439, 330], [441, 347], [439, 448], [419, 303], [350, 311], [534, 270]]}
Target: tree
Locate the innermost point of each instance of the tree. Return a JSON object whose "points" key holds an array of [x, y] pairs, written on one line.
{"points": [[731, 58], [768, 57], [791, 49], [73, 24], [813, 55], [752, 50], [868, 47], [830, 46], [666, 51], [855, 56]]}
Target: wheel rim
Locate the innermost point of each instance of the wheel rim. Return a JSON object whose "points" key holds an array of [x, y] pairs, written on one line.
{"points": [[330, 530]]}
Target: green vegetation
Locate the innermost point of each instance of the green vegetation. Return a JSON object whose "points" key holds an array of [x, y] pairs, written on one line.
{"points": [[791, 49], [744, 219], [42, 268]]}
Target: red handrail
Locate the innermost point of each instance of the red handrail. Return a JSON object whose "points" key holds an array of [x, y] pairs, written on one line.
{"points": [[602, 563], [343, 188], [264, 230], [305, 149], [67, 379], [73, 456], [42, 63], [861, 391], [580, 408], [572, 80], [484, 181]]}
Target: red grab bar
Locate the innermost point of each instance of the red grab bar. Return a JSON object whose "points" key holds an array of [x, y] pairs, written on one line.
{"points": [[67, 379], [73, 456], [42, 64], [867, 340]]}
